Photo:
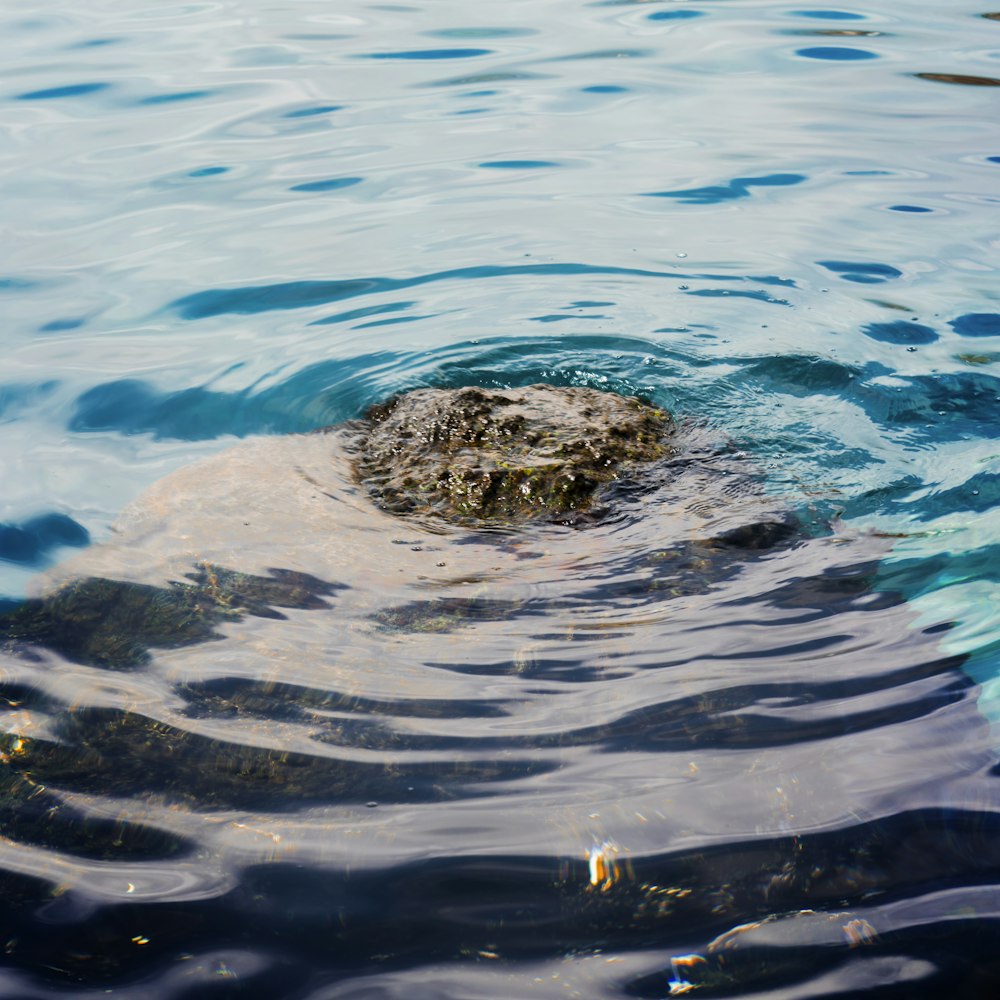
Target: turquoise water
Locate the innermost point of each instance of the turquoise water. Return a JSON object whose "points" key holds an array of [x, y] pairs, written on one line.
{"points": [[225, 221]]}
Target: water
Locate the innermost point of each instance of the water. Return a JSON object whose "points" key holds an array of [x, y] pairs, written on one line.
{"points": [[613, 762]]}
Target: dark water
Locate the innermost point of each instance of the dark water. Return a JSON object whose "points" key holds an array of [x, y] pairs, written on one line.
{"points": [[266, 741]]}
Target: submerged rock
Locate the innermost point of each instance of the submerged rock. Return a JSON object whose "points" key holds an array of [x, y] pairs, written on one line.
{"points": [[541, 452], [266, 692], [288, 522], [114, 624]]}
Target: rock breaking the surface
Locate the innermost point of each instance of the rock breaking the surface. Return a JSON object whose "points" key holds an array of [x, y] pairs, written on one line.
{"points": [[474, 455]]}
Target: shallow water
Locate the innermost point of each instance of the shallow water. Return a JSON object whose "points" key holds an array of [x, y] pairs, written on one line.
{"points": [[292, 746]]}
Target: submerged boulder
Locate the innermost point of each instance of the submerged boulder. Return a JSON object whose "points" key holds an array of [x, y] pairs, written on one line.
{"points": [[287, 522], [512, 455]]}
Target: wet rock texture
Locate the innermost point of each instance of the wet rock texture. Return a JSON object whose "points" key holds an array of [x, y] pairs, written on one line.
{"points": [[538, 453]]}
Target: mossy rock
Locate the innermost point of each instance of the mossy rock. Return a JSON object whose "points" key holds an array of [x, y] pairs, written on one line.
{"points": [[513, 455]]}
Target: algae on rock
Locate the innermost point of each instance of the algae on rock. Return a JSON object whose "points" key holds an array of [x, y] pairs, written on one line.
{"points": [[513, 455]]}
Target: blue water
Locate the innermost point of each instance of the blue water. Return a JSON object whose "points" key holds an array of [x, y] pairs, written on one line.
{"points": [[227, 221]]}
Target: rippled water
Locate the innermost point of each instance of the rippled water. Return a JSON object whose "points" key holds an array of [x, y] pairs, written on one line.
{"points": [[269, 741]]}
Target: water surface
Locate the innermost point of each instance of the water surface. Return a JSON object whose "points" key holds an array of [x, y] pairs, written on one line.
{"points": [[273, 742]]}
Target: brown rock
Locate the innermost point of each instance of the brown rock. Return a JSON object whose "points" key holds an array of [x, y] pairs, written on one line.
{"points": [[537, 453]]}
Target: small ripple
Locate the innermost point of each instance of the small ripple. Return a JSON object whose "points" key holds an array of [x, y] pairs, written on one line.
{"points": [[302, 294], [317, 395], [977, 325], [675, 15], [978, 494], [759, 296], [95, 43], [236, 697], [395, 321], [801, 374], [478, 79], [331, 184], [484, 32], [271, 122], [738, 187], [602, 54], [943, 407], [517, 164], [32, 542], [835, 33], [968, 81], [837, 53], [55, 93], [427, 54], [558, 318], [828, 15], [900, 332], [767, 715], [22, 284], [520, 361], [16, 397], [352, 314], [128, 755], [175, 97], [861, 272], [265, 298], [32, 814], [313, 111], [62, 325]]}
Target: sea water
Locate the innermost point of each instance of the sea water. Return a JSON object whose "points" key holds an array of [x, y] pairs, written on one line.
{"points": [[548, 765]]}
